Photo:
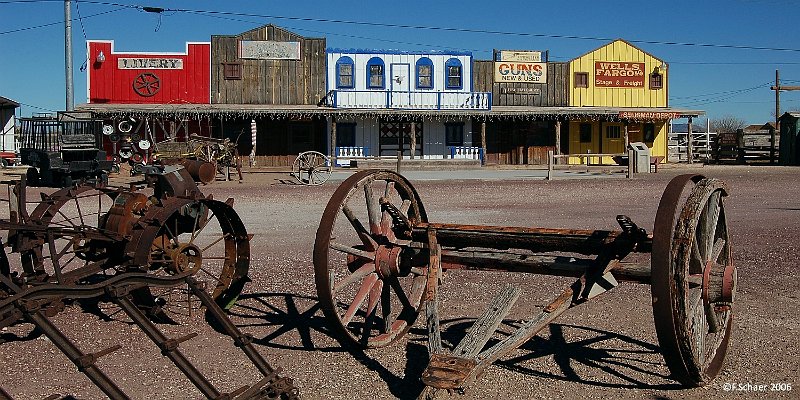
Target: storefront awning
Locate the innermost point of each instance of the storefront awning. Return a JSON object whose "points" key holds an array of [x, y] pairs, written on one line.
{"points": [[251, 111]]}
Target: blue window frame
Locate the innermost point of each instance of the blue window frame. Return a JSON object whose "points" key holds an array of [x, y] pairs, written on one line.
{"points": [[424, 73], [455, 71], [376, 71], [344, 73]]}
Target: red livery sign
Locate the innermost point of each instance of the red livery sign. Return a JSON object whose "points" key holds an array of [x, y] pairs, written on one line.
{"points": [[619, 74]]}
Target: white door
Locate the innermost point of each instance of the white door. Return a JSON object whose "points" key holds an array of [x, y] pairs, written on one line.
{"points": [[400, 86]]}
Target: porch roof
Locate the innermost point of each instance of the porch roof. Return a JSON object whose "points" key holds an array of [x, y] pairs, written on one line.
{"points": [[249, 111]]}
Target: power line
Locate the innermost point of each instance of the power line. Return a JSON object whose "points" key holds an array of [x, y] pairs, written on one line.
{"points": [[436, 28], [55, 23]]}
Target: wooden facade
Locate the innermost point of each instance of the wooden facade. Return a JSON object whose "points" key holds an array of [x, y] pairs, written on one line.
{"points": [[552, 93], [618, 75], [270, 80], [147, 77]]}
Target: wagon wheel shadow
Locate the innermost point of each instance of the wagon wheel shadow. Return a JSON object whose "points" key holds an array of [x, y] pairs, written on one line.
{"points": [[616, 355], [285, 313]]}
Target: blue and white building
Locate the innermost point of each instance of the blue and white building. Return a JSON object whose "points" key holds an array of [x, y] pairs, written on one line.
{"points": [[388, 99]]}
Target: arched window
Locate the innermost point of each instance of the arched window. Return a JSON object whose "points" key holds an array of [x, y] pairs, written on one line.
{"points": [[424, 73], [344, 73], [375, 73], [454, 78]]}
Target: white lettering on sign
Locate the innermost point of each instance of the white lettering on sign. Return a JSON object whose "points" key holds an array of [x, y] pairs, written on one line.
{"points": [[269, 50], [149, 63]]}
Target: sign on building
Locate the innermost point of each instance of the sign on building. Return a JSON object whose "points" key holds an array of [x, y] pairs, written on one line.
{"points": [[269, 50], [149, 63], [520, 56], [519, 72], [619, 74]]}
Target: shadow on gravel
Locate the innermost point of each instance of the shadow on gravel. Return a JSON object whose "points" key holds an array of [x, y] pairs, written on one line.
{"points": [[603, 351], [280, 314]]}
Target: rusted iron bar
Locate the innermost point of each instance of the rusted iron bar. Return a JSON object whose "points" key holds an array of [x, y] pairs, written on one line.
{"points": [[587, 242]]}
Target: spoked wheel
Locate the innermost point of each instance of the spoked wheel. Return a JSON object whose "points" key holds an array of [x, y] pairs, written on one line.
{"points": [[68, 255], [693, 279], [368, 285], [311, 168], [204, 237]]}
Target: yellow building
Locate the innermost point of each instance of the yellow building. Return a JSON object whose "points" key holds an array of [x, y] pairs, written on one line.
{"points": [[631, 85]]}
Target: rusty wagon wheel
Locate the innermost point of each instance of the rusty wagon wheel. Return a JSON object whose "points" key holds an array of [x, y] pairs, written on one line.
{"points": [[368, 287], [693, 279], [311, 168], [205, 237], [68, 257]]}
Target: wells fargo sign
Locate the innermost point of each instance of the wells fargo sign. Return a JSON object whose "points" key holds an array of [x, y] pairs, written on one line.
{"points": [[149, 63], [619, 74], [520, 72]]}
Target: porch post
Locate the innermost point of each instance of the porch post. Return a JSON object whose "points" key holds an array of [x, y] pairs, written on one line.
{"points": [[689, 141], [558, 137], [413, 138], [627, 138], [483, 140], [333, 141]]}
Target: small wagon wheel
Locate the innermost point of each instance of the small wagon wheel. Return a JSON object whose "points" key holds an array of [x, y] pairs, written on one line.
{"points": [[311, 168], [368, 284], [693, 279], [146, 84]]}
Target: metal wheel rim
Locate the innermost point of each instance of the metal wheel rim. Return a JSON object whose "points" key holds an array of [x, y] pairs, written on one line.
{"points": [[232, 240], [675, 303], [375, 290]]}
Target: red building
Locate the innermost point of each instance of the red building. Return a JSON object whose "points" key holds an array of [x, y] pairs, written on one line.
{"points": [[148, 78]]}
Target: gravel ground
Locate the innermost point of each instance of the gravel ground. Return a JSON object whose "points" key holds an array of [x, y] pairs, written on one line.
{"points": [[606, 348]]}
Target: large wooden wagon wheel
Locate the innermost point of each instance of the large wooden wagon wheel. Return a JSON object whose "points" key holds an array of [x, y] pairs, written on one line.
{"points": [[146, 84], [311, 168], [205, 237], [367, 285], [693, 279]]}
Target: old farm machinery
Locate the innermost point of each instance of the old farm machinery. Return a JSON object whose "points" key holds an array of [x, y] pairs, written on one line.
{"points": [[153, 251], [379, 263]]}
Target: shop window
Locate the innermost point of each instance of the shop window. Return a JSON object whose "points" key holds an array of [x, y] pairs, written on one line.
{"points": [[581, 79], [424, 73], [454, 134], [656, 81], [586, 133], [649, 133], [454, 78], [613, 132], [375, 73], [345, 134], [232, 71], [344, 73]]}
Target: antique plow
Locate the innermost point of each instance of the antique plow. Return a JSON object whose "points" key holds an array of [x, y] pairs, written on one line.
{"points": [[157, 250], [379, 262]]}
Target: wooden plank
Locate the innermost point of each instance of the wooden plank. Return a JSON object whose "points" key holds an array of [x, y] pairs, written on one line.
{"points": [[483, 329]]}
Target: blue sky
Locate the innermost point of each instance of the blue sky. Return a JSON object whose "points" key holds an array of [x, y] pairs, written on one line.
{"points": [[722, 54]]}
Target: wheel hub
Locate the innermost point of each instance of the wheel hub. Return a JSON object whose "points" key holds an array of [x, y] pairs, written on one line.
{"points": [[387, 261], [185, 257]]}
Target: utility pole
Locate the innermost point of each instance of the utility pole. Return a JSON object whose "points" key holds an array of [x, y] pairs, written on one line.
{"points": [[68, 53], [777, 88]]}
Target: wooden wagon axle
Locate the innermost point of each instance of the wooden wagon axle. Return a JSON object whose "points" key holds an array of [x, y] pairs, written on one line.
{"points": [[379, 262]]}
